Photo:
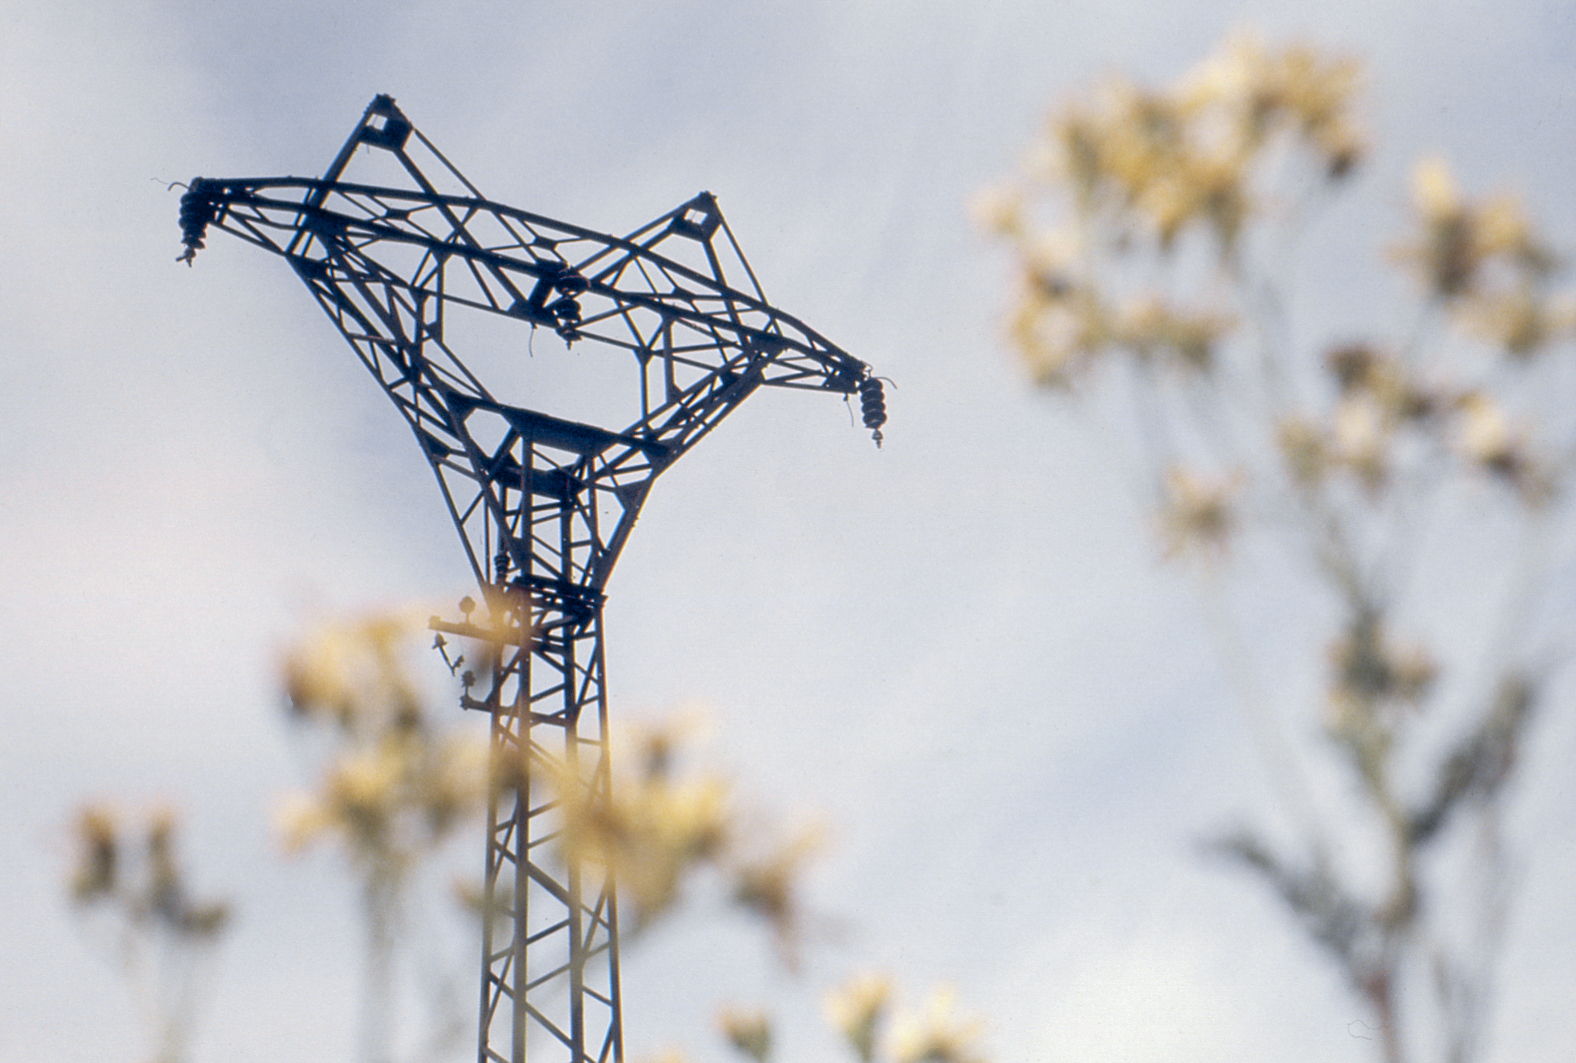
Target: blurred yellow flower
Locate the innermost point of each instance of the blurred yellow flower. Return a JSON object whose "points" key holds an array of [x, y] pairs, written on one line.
{"points": [[769, 887], [140, 878], [1255, 92], [1488, 441], [354, 673], [645, 828], [1197, 514], [1434, 191], [936, 1035], [1522, 320], [1057, 330], [98, 859], [1150, 328], [1304, 449], [999, 211], [1457, 240], [299, 821], [750, 1032], [393, 788], [1362, 434], [857, 1011]]}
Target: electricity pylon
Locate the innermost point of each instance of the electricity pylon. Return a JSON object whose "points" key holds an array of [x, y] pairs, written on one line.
{"points": [[544, 502]]}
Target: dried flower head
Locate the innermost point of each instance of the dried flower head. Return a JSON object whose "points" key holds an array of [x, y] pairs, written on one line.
{"points": [[1523, 320], [1304, 449], [769, 887], [646, 827], [1362, 435], [388, 802], [1488, 441], [98, 855], [1141, 169], [1151, 328], [393, 788], [749, 1032], [858, 1010], [1372, 674], [355, 675], [1458, 242], [936, 1035], [1256, 93], [1197, 514], [136, 873], [999, 211]]}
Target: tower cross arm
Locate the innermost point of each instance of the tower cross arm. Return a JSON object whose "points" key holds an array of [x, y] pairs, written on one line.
{"points": [[682, 323], [676, 293]]}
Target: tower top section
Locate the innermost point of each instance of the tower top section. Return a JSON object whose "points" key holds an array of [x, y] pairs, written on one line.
{"points": [[675, 298]]}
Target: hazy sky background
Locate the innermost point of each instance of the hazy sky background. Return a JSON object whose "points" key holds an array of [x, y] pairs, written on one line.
{"points": [[957, 651]]}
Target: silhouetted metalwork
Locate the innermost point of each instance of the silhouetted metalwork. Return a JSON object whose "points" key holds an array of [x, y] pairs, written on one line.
{"points": [[544, 501]]}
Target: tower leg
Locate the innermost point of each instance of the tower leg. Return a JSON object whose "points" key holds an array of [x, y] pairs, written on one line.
{"points": [[550, 937]]}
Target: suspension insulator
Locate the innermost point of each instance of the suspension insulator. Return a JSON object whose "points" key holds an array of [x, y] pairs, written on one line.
{"points": [[872, 403], [198, 209], [566, 310]]}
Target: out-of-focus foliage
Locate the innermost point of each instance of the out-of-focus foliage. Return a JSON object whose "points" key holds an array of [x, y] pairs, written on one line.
{"points": [[858, 1011], [395, 785], [748, 1032], [662, 826], [393, 788], [129, 877], [658, 825], [862, 1014], [1154, 233]]}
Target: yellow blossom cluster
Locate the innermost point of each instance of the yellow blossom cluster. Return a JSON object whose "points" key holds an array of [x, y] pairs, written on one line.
{"points": [[1377, 397], [1062, 326], [651, 827], [1483, 259], [1170, 159], [1141, 228], [1372, 680], [1252, 94], [394, 787], [389, 801], [1379, 400], [1459, 239], [748, 1032], [858, 1012], [1143, 167], [135, 871], [936, 1034], [646, 828], [1370, 670], [1198, 514], [128, 874], [353, 674], [862, 1014]]}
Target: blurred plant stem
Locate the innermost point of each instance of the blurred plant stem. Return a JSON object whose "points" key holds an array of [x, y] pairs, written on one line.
{"points": [[393, 789], [131, 877]]}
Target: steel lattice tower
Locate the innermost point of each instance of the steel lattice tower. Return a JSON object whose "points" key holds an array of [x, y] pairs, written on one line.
{"points": [[544, 503]]}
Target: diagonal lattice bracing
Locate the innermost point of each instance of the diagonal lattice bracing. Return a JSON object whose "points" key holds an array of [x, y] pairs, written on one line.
{"points": [[415, 266]]}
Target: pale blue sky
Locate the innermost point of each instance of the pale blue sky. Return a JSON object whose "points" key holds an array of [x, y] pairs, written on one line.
{"points": [[958, 651]]}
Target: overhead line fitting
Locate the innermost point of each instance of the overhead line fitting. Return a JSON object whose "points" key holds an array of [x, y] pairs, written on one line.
{"points": [[199, 206], [872, 402]]}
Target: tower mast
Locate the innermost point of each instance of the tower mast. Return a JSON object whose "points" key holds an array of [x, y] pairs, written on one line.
{"points": [[543, 502]]}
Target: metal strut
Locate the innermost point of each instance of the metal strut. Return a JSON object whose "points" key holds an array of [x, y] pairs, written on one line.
{"points": [[543, 503]]}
